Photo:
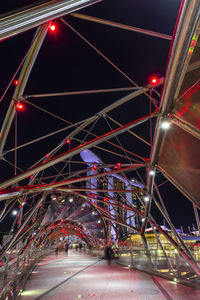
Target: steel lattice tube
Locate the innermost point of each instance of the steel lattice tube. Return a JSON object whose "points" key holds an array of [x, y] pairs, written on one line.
{"points": [[37, 15]]}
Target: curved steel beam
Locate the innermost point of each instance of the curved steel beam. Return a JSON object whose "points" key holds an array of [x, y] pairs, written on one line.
{"points": [[74, 151], [39, 14], [186, 24], [23, 78]]}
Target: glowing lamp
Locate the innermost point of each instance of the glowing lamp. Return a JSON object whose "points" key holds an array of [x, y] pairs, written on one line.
{"points": [[68, 141], [52, 27], [47, 155], [165, 125], [152, 172], [154, 80], [19, 106], [16, 82]]}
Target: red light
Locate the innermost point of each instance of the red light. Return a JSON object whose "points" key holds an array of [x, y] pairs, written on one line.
{"points": [[118, 165], [68, 141], [94, 168], [52, 27], [47, 155], [19, 106], [16, 82], [154, 80]]}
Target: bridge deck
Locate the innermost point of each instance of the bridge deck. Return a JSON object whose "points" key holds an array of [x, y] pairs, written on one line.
{"points": [[79, 276]]}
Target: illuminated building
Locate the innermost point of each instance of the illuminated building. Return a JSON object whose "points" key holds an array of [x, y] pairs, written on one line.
{"points": [[112, 184]]}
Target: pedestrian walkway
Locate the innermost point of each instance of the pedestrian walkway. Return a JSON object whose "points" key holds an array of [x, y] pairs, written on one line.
{"points": [[80, 276]]}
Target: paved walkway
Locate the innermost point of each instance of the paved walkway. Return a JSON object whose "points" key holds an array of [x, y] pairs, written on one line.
{"points": [[79, 276]]}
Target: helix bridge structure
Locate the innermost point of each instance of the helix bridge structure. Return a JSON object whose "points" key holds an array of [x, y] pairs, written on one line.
{"points": [[96, 169]]}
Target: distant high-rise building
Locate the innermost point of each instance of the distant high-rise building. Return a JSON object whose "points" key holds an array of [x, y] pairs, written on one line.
{"points": [[111, 183]]}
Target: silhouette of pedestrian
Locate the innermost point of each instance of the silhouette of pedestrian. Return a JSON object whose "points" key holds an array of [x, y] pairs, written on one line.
{"points": [[66, 248], [108, 254]]}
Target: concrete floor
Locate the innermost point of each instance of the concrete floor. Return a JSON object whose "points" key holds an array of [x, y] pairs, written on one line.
{"points": [[78, 276]]}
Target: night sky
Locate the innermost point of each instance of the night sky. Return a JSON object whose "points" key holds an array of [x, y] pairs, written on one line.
{"points": [[67, 63]]}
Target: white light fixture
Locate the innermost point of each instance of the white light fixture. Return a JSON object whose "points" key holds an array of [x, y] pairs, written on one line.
{"points": [[165, 124], [99, 221], [143, 219], [83, 204], [61, 238], [14, 213], [71, 199], [146, 198], [23, 203], [93, 213], [152, 172]]}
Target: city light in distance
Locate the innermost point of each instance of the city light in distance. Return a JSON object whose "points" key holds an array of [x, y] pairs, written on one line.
{"points": [[165, 124]]}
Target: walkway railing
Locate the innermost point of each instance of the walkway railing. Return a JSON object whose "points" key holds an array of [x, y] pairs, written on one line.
{"points": [[16, 268], [169, 265]]}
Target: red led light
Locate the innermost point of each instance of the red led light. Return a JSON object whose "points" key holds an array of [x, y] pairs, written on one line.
{"points": [[94, 168], [68, 141], [154, 80], [52, 27], [19, 106], [16, 82], [118, 165], [47, 155]]}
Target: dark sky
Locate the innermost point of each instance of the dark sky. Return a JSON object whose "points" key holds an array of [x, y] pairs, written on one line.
{"points": [[67, 63]]}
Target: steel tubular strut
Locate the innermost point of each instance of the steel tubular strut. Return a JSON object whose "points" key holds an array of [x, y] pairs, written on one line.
{"points": [[23, 78], [75, 151], [186, 24], [39, 14]]}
